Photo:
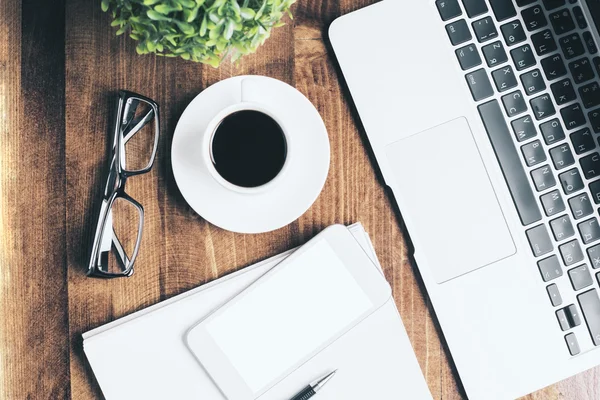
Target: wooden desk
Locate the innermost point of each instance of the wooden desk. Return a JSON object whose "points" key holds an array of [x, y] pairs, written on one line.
{"points": [[60, 67]]}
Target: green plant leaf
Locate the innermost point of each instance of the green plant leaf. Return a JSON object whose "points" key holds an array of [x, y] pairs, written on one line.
{"points": [[229, 29], [156, 16], [247, 13], [203, 26], [166, 9], [150, 2], [104, 5], [185, 27]]}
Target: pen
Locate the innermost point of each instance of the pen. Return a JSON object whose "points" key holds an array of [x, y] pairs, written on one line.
{"points": [[313, 388]]}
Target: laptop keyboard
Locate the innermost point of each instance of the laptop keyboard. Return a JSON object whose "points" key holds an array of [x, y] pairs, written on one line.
{"points": [[533, 68]]}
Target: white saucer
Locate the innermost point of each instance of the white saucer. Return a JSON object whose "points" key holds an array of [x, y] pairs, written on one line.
{"points": [[252, 212]]}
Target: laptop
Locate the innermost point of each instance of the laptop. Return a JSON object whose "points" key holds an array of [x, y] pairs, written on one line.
{"points": [[484, 119]]}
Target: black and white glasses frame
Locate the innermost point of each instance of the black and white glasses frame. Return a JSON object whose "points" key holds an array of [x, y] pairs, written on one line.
{"points": [[126, 126]]}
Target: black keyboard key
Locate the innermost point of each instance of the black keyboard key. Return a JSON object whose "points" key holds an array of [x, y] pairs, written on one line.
{"points": [[522, 3], [533, 153], [552, 131], [581, 206], [595, 191], [563, 91], [562, 228], [550, 268], [580, 277], [552, 4], [543, 42], [563, 321], [594, 256], [552, 203], [573, 116], [589, 230], [583, 141], [543, 178], [590, 95], [571, 181], [582, 70], [579, 17], [533, 82], [458, 32], [595, 120], [554, 295], [448, 9], [589, 42], [514, 103], [542, 107], [596, 62], [562, 156], [513, 32], [534, 18], [494, 54], [572, 316], [524, 128], [468, 57], [503, 9], [562, 22], [590, 308], [571, 252], [480, 85], [539, 240], [554, 67], [523, 57], [508, 158], [572, 46], [504, 78], [485, 29], [475, 7], [572, 344]]}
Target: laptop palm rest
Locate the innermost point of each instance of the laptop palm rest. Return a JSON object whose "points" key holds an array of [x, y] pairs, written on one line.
{"points": [[447, 201]]}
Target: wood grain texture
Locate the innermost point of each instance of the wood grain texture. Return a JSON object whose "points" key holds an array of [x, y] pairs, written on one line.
{"points": [[60, 68]]}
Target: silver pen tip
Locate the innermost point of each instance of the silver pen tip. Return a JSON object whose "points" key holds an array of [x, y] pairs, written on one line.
{"points": [[321, 382]]}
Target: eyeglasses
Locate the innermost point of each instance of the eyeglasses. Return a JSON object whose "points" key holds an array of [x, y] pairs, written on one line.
{"points": [[121, 219]]}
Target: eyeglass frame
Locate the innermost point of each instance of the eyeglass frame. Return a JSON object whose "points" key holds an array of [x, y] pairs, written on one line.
{"points": [[119, 174]]}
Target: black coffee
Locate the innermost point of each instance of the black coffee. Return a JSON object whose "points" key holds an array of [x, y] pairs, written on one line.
{"points": [[248, 148]]}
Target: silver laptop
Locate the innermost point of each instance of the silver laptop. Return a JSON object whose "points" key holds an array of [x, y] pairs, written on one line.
{"points": [[484, 118]]}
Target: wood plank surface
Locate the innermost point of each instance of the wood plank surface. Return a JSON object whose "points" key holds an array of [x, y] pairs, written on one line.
{"points": [[60, 69]]}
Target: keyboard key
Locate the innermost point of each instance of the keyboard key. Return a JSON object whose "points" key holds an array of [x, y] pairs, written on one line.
{"points": [[468, 57], [562, 22], [494, 54], [524, 128], [589, 42], [596, 62], [571, 181], [562, 228], [543, 178], [554, 295], [589, 230], [513, 32], [554, 67], [583, 141], [485, 29], [458, 32], [579, 17], [533, 153], [504, 78], [522, 3], [590, 95], [563, 91], [448, 9], [572, 46], [573, 316], [552, 4], [580, 277], [533, 82], [550, 268], [581, 206], [542, 107], [561, 156], [539, 240], [595, 120], [508, 158], [590, 307], [573, 116], [523, 57], [514, 103], [543, 42], [571, 252], [572, 344], [563, 321], [552, 203], [594, 256], [534, 18], [582, 70], [480, 85], [552, 131], [503, 9], [595, 191], [475, 7]]}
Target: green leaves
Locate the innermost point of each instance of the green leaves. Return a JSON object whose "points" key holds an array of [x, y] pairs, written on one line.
{"points": [[205, 31]]}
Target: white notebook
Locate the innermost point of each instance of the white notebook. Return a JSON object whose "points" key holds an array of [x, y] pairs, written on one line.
{"points": [[144, 355]]}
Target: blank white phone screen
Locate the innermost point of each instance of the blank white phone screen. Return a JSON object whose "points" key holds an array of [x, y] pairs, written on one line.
{"points": [[288, 316]]}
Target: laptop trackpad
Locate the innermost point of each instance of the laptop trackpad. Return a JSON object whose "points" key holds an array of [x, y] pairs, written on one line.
{"points": [[447, 201]]}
